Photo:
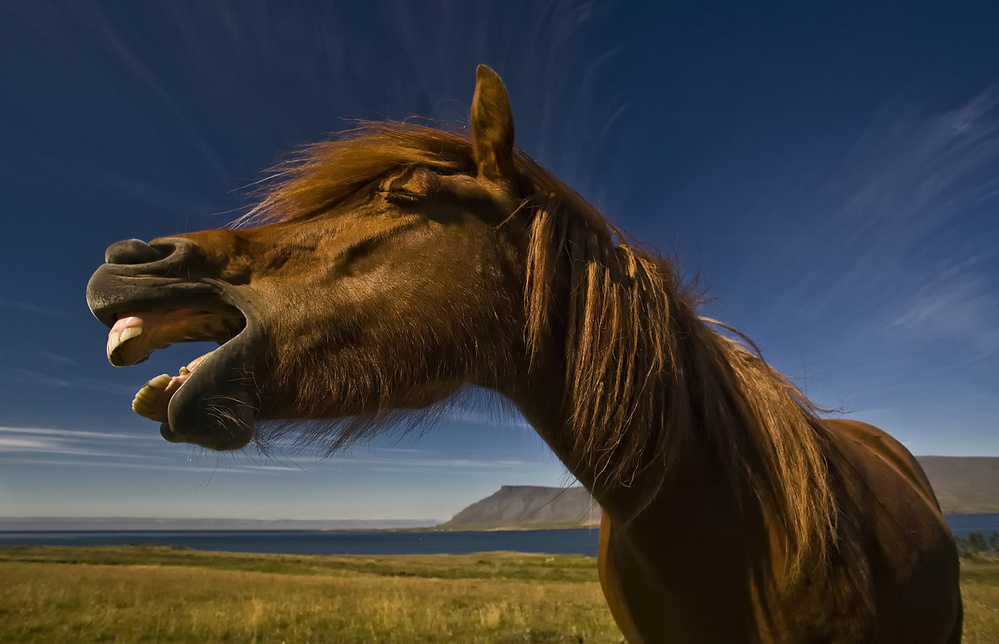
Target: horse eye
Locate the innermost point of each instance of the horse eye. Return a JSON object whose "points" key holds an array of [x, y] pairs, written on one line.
{"points": [[400, 196]]}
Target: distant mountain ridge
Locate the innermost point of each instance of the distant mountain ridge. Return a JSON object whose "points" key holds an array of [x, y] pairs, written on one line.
{"points": [[525, 507], [963, 485]]}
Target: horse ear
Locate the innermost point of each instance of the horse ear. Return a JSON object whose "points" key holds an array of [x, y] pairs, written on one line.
{"points": [[492, 127]]}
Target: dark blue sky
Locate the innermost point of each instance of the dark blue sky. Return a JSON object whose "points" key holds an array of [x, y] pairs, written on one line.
{"points": [[830, 172]]}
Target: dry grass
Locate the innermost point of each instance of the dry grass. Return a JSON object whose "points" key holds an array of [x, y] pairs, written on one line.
{"points": [[980, 591], [125, 602], [158, 594]]}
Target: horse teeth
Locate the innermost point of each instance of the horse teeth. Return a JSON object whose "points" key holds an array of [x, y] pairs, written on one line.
{"points": [[115, 341], [159, 382], [150, 401]]}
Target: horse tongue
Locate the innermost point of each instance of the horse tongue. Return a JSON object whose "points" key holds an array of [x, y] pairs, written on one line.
{"points": [[153, 399]]}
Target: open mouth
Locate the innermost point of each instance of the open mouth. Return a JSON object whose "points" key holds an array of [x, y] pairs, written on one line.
{"points": [[136, 335], [155, 295]]}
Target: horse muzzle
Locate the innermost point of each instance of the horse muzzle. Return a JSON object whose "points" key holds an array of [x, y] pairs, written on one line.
{"points": [[155, 295]]}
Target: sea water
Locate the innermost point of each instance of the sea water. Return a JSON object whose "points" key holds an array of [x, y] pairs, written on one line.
{"points": [[379, 542], [327, 542]]}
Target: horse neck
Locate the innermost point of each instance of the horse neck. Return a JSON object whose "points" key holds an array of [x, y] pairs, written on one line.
{"points": [[642, 400], [707, 473], [542, 396]]}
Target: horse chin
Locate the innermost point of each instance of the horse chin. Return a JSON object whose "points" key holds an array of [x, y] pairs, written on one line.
{"points": [[216, 406]]}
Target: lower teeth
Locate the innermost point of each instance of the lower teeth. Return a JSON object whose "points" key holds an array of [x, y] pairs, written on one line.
{"points": [[151, 401]]}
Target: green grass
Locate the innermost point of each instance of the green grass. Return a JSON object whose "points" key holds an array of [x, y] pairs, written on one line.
{"points": [[163, 594], [492, 565], [980, 591]]}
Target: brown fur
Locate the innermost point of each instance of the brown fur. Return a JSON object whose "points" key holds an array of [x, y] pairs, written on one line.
{"points": [[641, 364], [385, 270]]}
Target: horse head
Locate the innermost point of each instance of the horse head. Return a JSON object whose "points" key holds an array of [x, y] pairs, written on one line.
{"points": [[378, 276]]}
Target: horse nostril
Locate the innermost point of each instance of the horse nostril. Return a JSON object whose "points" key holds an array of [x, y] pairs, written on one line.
{"points": [[132, 251]]}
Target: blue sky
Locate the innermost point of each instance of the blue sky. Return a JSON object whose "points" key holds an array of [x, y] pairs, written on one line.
{"points": [[831, 174]]}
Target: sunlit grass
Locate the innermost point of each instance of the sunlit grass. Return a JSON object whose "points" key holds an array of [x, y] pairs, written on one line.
{"points": [[159, 594], [980, 591], [91, 594]]}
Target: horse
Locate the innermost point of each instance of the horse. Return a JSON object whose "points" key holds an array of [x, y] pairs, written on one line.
{"points": [[386, 270]]}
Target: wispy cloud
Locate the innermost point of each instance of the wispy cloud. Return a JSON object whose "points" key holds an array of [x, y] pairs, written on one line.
{"points": [[16, 440], [200, 469], [444, 463], [498, 418], [77, 434], [10, 444], [112, 449], [31, 307], [954, 307], [121, 450], [268, 468], [906, 168], [478, 406], [46, 380], [57, 359], [406, 450], [911, 195], [899, 207], [47, 446]]}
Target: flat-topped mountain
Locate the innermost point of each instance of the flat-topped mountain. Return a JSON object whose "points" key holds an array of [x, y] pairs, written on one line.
{"points": [[525, 507], [963, 485]]}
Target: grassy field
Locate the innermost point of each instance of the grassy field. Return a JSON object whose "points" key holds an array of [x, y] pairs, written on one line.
{"points": [[162, 594], [980, 590]]}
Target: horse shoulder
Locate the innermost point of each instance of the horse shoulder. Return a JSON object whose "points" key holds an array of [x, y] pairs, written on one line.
{"points": [[889, 512], [610, 584], [894, 459]]}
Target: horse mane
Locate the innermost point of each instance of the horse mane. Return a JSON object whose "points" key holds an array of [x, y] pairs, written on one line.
{"points": [[648, 382]]}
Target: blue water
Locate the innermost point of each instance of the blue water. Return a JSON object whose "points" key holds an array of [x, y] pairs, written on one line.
{"points": [[962, 524], [333, 542], [357, 542]]}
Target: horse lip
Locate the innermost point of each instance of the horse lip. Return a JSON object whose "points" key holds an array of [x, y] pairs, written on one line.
{"points": [[217, 406], [111, 294]]}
